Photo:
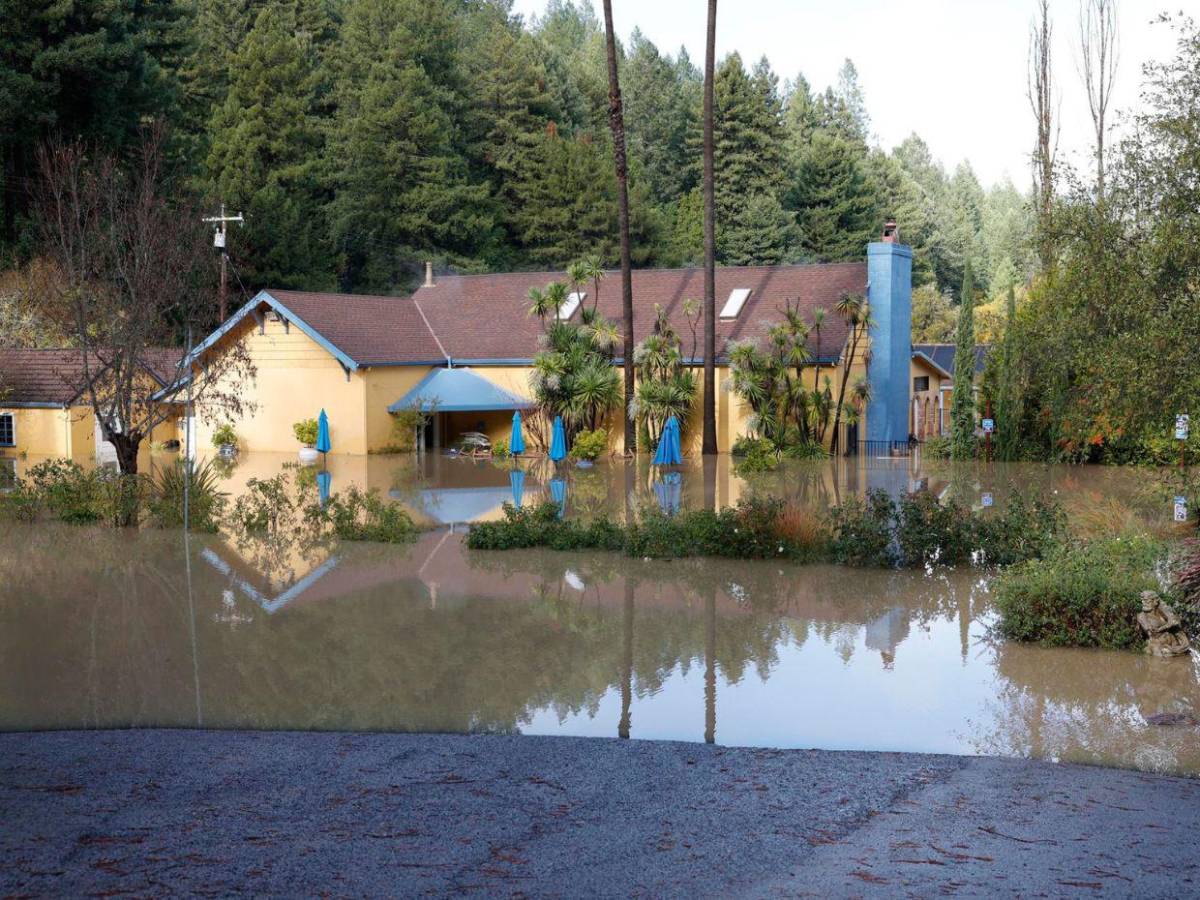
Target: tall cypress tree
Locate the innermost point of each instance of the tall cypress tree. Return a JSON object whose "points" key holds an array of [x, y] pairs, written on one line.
{"points": [[1008, 394], [962, 405]]}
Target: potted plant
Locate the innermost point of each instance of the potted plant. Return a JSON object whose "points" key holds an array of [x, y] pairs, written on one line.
{"points": [[225, 439], [306, 433]]}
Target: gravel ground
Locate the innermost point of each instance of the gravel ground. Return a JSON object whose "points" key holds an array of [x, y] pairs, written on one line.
{"points": [[156, 812]]}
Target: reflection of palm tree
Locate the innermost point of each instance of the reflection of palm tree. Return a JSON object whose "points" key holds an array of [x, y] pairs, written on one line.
{"points": [[627, 661], [710, 666]]}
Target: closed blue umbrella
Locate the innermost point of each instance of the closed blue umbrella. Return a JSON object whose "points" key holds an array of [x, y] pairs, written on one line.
{"points": [[324, 482], [517, 478], [516, 446], [558, 493], [558, 442], [323, 444], [668, 451]]}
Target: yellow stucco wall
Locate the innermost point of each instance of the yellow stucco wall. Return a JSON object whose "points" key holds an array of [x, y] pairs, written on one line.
{"points": [[925, 403], [295, 379], [40, 432], [384, 386]]}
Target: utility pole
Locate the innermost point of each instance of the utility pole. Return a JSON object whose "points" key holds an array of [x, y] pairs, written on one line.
{"points": [[220, 221]]}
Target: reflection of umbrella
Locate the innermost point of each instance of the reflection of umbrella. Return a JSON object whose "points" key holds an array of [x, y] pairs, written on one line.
{"points": [[516, 446], [669, 491], [323, 444], [324, 480], [558, 493], [517, 477], [668, 453], [558, 443]]}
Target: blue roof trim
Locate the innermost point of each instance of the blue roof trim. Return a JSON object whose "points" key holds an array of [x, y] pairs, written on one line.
{"points": [[248, 309], [33, 404], [491, 397]]}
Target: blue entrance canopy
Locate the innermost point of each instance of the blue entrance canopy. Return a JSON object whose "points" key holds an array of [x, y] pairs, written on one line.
{"points": [[459, 390]]}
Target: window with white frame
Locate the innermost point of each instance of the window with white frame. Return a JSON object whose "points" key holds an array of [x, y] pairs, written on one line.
{"points": [[8, 429]]}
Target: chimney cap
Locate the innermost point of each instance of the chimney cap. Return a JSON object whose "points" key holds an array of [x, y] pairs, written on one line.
{"points": [[891, 232]]}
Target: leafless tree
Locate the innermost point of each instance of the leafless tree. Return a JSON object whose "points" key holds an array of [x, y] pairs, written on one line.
{"points": [[616, 123], [709, 440], [1099, 57], [1043, 103], [136, 274]]}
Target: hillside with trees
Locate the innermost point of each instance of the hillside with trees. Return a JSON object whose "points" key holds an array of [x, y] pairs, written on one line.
{"points": [[360, 137]]}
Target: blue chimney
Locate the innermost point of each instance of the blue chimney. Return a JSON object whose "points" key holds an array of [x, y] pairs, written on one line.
{"points": [[889, 293]]}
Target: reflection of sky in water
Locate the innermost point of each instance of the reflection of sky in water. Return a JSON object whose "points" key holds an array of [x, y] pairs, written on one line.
{"points": [[814, 697]]}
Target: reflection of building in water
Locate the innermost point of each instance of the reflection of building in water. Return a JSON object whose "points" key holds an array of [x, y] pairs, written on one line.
{"points": [[887, 632]]}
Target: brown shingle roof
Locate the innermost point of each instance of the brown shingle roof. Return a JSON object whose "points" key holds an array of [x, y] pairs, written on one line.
{"points": [[485, 317], [371, 330], [40, 376], [58, 376]]}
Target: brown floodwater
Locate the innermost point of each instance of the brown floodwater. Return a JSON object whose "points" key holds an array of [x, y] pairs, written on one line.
{"points": [[100, 628]]}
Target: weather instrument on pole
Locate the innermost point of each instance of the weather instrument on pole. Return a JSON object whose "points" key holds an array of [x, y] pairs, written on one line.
{"points": [[219, 223]]}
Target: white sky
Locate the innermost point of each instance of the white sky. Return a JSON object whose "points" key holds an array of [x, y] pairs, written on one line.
{"points": [[951, 70]]}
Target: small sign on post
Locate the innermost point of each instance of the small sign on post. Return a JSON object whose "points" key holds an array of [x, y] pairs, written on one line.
{"points": [[1181, 510], [988, 500], [1182, 426], [989, 426]]}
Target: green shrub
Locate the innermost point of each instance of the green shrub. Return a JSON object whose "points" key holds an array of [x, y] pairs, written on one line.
{"points": [[225, 435], [500, 449], [206, 502], [65, 491], [804, 450], [306, 432], [1080, 595], [357, 515], [1021, 530], [754, 529], [540, 526], [930, 532], [936, 447], [754, 455], [266, 504], [590, 445], [863, 531]]}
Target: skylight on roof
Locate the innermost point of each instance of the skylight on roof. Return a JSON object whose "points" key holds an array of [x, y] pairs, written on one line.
{"points": [[733, 306], [570, 305]]}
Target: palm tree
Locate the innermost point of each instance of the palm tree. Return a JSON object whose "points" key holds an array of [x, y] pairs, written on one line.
{"points": [[709, 441], [593, 268], [538, 305], [857, 315], [577, 275], [616, 122], [556, 296]]}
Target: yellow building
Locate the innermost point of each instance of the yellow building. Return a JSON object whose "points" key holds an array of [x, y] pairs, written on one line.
{"points": [[45, 410], [933, 387], [467, 342]]}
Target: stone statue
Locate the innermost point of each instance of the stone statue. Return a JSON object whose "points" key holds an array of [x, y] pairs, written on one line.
{"points": [[1164, 631]]}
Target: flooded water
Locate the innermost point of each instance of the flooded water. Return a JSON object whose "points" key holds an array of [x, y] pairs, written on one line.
{"points": [[107, 629]]}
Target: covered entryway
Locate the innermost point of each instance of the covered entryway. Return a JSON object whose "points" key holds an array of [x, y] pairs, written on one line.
{"points": [[463, 402]]}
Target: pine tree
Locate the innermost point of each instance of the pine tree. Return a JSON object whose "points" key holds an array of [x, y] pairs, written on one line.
{"points": [[835, 200], [899, 197], [96, 70], [566, 205], [748, 134], [401, 186], [661, 110], [962, 404], [266, 147]]}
